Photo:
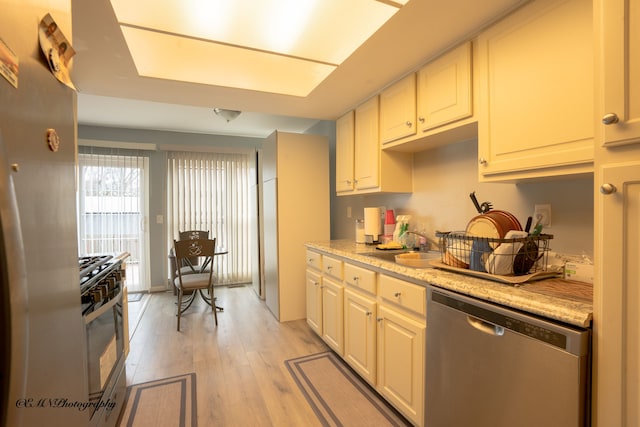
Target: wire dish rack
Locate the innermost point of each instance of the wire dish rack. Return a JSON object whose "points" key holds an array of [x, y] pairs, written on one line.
{"points": [[522, 256]]}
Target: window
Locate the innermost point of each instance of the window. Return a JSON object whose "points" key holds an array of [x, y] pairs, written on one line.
{"points": [[210, 191]]}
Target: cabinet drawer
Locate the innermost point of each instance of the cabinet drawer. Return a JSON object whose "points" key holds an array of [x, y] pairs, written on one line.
{"points": [[314, 260], [405, 294], [360, 278], [332, 267]]}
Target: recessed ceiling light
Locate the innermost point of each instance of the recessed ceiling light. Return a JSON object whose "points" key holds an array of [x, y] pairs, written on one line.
{"points": [[280, 46]]}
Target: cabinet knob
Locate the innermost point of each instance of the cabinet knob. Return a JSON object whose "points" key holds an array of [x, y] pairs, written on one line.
{"points": [[329, 267], [608, 188], [610, 119], [368, 314], [379, 319], [356, 278], [409, 124], [397, 294], [482, 161], [421, 119]]}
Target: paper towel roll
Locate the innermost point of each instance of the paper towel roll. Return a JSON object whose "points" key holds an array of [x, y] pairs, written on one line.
{"points": [[372, 222]]}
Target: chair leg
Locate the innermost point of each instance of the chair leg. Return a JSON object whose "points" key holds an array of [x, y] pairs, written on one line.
{"points": [[213, 307], [179, 308]]}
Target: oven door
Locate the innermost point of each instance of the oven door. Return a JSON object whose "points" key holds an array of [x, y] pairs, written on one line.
{"points": [[105, 347]]}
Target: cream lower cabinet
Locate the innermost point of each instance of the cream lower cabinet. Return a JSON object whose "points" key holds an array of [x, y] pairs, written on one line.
{"points": [[332, 312], [360, 313], [401, 346], [536, 93], [314, 300]]}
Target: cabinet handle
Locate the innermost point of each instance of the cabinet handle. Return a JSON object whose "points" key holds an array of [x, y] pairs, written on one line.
{"points": [[329, 267], [409, 124], [356, 278], [610, 119], [368, 314], [397, 294], [379, 319], [316, 283], [483, 161], [421, 119], [608, 189]]}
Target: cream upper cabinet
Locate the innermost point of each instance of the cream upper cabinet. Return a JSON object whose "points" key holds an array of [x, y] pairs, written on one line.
{"points": [[536, 93], [620, 59], [445, 89], [374, 171], [345, 152], [616, 329], [398, 110], [367, 145]]}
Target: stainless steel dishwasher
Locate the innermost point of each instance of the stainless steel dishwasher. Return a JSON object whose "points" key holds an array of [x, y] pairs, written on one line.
{"points": [[490, 366]]}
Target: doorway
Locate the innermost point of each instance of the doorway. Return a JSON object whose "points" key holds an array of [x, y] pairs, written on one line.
{"points": [[112, 209]]}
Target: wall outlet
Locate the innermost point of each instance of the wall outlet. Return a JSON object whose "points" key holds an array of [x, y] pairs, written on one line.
{"points": [[542, 214]]}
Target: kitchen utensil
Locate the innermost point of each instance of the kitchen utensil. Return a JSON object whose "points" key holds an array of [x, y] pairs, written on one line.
{"points": [[475, 201], [486, 207], [528, 226]]}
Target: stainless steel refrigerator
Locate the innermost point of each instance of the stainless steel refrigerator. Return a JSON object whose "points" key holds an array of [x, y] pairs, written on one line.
{"points": [[43, 350]]}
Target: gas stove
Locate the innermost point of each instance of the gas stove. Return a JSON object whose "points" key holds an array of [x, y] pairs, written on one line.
{"points": [[99, 279]]}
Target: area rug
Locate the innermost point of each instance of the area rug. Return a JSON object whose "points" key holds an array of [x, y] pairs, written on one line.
{"points": [[338, 396], [134, 297], [168, 402]]}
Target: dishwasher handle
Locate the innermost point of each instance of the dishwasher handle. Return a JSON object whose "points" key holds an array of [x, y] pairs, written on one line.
{"points": [[485, 327]]}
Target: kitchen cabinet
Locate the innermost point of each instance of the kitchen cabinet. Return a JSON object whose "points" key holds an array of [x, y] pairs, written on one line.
{"points": [[345, 140], [445, 89], [620, 112], [360, 312], [360, 332], [289, 217], [398, 110], [401, 345], [314, 301], [616, 340], [536, 93], [332, 312], [373, 170]]}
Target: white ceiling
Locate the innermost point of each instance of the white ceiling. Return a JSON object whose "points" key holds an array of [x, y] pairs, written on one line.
{"points": [[112, 94]]}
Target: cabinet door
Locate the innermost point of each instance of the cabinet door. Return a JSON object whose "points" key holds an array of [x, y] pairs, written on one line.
{"points": [[344, 152], [536, 89], [621, 67], [360, 334], [398, 110], [617, 296], [401, 348], [367, 145], [332, 314], [314, 301], [444, 89]]}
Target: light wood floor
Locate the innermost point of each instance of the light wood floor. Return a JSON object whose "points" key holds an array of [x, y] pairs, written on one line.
{"points": [[240, 372]]}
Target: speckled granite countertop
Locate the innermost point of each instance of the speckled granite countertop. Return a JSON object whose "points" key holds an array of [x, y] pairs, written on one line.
{"points": [[565, 301]]}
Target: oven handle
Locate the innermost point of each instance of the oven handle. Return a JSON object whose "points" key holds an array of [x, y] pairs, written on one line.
{"points": [[99, 312]]}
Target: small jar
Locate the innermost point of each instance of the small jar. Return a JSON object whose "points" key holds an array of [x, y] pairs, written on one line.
{"points": [[360, 231]]}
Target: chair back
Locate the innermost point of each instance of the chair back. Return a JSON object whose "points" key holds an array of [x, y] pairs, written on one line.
{"points": [[192, 235], [188, 250]]}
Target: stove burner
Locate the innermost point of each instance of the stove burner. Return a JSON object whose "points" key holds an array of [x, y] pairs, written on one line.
{"points": [[89, 265]]}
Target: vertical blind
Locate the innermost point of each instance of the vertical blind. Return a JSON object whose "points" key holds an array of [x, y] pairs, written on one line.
{"points": [[210, 192], [111, 207]]}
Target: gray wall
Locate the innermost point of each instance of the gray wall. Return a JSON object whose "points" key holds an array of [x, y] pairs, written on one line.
{"points": [[442, 180]]}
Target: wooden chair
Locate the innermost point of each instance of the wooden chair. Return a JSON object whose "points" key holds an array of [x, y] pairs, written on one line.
{"points": [[199, 281]]}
